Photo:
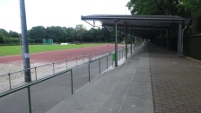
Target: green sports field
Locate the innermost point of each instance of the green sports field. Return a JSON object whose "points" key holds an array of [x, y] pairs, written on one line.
{"points": [[17, 50]]}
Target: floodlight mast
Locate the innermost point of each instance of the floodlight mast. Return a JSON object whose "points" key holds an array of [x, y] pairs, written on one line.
{"points": [[25, 47]]}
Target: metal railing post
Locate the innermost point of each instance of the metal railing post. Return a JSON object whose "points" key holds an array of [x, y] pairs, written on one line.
{"points": [[123, 52], [71, 81], [99, 66], [112, 59], [119, 54], [76, 61], [131, 48], [36, 74], [9, 81], [66, 64], [29, 99], [89, 71], [83, 59], [134, 47], [53, 68], [107, 61]]}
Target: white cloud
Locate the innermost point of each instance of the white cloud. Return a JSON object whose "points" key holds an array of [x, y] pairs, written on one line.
{"points": [[56, 12]]}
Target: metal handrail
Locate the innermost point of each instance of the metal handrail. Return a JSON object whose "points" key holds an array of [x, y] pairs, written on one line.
{"points": [[28, 85], [53, 64], [36, 82]]}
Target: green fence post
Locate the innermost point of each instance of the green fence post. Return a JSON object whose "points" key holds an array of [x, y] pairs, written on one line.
{"points": [[83, 59], [119, 54], [107, 61], [53, 69], [76, 61], [122, 53], [71, 81], [134, 47], [29, 99], [36, 74], [89, 71], [9, 81], [131, 48], [99, 66], [113, 58], [66, 64]]}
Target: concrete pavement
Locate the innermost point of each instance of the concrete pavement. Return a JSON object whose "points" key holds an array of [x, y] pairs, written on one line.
{"points": [[153, 81], [126, 89]]}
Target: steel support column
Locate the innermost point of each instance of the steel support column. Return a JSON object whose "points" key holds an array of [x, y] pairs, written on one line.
{"points": [[126, 42], [180, 45], [135, 40], [167, 36], [131, 45], [182, 42], [25, 48], [116, 45]]}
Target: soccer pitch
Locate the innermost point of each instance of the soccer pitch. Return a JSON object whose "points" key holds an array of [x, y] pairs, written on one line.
{"points": [[17, 50]]}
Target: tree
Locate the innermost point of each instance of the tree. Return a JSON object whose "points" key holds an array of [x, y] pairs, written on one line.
{"points": [[184, 8], [37, 33], [13, 34], [156, 7], [89, 36], [4, 32], [70, 32], [79, 32], [142, 7], [1, 38], [106, 34], [57, 33], [194, 7]]}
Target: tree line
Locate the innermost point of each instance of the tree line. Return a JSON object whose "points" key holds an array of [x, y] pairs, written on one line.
{"points": [[10, 37], [62, 34], [185, 8]]}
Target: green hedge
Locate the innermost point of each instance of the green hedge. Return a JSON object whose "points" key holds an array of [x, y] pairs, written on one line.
{"points": [[11, 40], [8, 40]]}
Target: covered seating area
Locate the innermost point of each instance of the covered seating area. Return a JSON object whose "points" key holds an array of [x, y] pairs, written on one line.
{"points": [[141, 26]]}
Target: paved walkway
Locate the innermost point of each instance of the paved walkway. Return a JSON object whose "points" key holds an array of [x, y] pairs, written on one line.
{"points": [[176, 82], [153, 80], [126, 89]]}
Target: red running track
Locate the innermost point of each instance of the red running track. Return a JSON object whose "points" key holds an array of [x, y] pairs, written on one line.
{"points": [[53, 56]]}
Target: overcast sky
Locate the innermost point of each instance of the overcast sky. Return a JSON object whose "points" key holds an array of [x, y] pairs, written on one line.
{"points": [[56, 12]]}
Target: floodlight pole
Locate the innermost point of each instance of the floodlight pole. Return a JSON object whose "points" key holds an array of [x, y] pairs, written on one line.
{"points": [[25, 48], [116, 45]]}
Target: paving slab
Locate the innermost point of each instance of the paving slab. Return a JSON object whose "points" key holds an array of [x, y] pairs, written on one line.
{"points": [[136, 104]]}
